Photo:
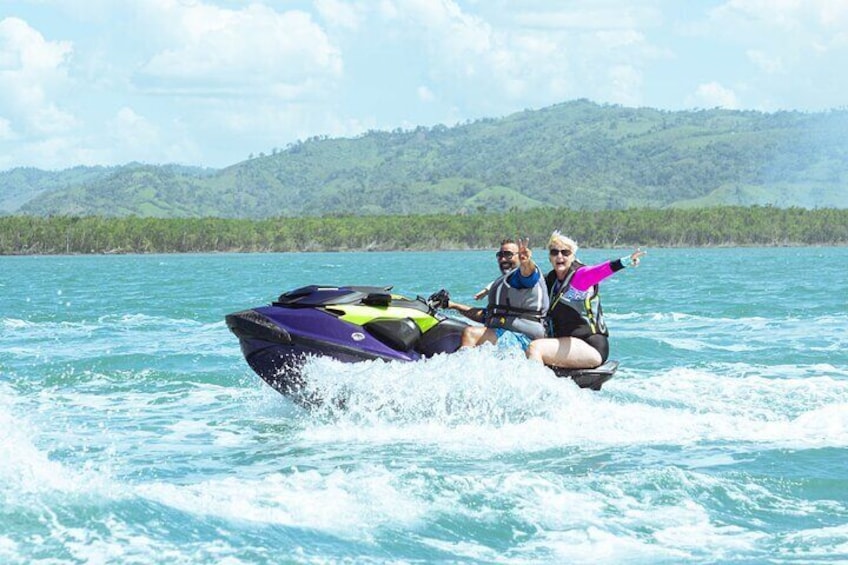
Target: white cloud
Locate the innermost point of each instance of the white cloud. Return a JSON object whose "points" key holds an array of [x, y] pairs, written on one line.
{"points": [[49, 119], [714, 95], [25, 49], [32, 75], [784, 24], [133, 130], [588, 16], [540, 54], [341, 14], [425, 94], [789, 14], [387, 9], [443, 27], [764, 62], [619, 39], [463, 49], [220, 51], [795, 50]]}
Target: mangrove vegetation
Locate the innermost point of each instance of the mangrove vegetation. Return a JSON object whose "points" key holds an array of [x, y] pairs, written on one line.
{"points": [[717, 226]]}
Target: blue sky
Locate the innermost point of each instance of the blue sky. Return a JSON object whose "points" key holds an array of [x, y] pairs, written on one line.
{"points": [[210, 82]]}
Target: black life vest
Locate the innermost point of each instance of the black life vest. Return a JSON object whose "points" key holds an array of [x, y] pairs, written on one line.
{"points": [[572, 312]]}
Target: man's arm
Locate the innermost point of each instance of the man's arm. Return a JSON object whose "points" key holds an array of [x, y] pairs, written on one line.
{"points": [[519, 280], [470, 312]]}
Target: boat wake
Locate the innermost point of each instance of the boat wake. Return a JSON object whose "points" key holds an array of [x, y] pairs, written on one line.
{"points": [[482, 397]]}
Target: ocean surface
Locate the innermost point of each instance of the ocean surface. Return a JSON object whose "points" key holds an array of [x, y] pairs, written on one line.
{"points": [[133, 431]]}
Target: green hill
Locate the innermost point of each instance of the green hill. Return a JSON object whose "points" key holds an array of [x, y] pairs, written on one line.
{"points": [[24, 184], [578, 155]]}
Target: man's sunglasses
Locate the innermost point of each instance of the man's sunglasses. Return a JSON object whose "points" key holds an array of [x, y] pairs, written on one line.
{"points": [[563, 252], [504, 254]]}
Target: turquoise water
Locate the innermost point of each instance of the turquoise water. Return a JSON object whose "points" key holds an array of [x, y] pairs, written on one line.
{"points": [[132, 431]]}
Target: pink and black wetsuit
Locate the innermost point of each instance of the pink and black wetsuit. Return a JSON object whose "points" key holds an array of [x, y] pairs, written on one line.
{"points": [[575, 309]]}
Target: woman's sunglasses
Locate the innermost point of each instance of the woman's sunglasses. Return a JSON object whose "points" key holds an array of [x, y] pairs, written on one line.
{"points": [[563, 252]]}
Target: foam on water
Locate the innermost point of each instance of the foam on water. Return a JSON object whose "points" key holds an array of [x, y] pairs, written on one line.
{"points": [[475, 400], [353, 503], [25, 469], [477, 407]]}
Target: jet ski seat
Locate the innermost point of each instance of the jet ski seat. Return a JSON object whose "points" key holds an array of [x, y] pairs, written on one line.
{"points": [[398, 333]]}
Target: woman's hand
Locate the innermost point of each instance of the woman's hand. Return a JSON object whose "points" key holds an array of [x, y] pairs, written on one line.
{"points": [[636, 255]]}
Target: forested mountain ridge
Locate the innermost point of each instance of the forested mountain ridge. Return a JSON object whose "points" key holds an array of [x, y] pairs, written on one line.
{"points": [[26, 185], [23, 184], [578, 155]]}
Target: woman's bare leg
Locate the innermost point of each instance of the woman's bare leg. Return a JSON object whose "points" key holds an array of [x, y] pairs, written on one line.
{"points": [[567, 352]]}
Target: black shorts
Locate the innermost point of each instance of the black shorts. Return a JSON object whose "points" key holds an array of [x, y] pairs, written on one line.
{"points": [[599, 342]]}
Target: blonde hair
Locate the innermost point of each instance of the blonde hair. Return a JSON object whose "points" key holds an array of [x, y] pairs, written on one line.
{"points": [[558, 239]]}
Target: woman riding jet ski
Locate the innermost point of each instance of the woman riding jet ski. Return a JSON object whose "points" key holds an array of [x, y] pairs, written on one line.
{"points": [[354, 323]]}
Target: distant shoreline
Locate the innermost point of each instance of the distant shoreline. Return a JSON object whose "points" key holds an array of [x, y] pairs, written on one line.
{"points": [[607, 229], [422, 250]]}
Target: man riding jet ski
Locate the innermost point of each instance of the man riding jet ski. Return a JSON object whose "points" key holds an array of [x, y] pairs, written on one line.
{"points": [[354, 323]]}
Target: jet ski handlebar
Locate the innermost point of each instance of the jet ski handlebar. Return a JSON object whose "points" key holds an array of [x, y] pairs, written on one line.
{"points": [[439, 299]]}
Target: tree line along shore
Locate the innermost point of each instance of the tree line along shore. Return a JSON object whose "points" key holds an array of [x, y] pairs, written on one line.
{"points": [[704, 227]]}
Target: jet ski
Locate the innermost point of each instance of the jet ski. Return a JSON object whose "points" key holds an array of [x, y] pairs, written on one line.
{"points": [[351, 324]]}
